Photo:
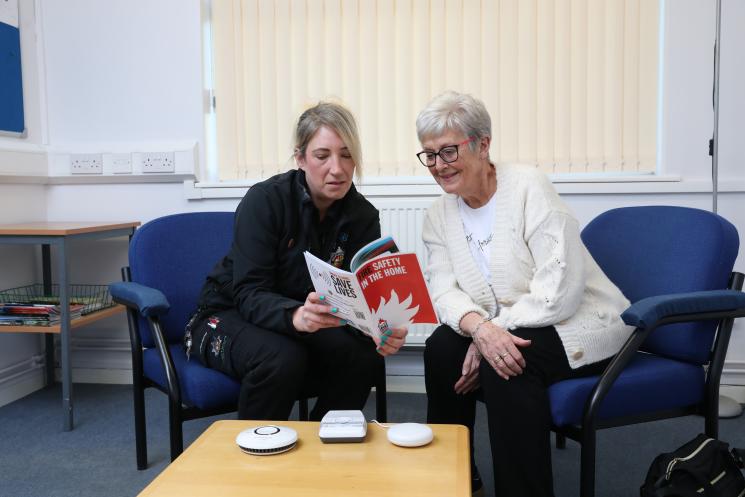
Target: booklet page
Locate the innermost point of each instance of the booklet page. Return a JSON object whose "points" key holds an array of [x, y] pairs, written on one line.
{"points": [[395, 290], [342, 291]]}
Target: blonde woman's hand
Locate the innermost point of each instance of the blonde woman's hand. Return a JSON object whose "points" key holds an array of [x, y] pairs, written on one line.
{"points": [[315, 314], [391, 340]]}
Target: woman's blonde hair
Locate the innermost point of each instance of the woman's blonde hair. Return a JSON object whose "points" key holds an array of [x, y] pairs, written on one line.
{"points": [[336, 117]]}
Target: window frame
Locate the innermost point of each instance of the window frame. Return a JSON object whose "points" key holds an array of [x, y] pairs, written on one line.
{"points": [[597, 181]]}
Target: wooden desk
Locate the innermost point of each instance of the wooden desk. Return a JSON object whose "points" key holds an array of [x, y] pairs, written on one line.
{"points": [[214, 466], [57, 234]]}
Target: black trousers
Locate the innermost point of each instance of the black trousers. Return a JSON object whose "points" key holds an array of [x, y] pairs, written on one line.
{"points": [[337, 365], [518, 409]]}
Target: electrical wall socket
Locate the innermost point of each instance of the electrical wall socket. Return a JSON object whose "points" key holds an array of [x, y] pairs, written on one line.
{"points": [[121, 163], [158, 162], [86, 164]]}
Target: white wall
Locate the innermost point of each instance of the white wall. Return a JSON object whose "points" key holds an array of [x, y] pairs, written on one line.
{"points": [[20, 353], [122, 70], [25, 156], [129, 72], [20, 369]]}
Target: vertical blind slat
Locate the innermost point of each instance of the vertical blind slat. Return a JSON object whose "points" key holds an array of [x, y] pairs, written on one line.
{"points": [[526, 82], [648, 62], [350, 50], [545, 82], [490, 70], [613, 82], [562, 87], [282, 81], [472, 44], [508, 54], [403, 94], [437, 35], [248, 94], [223, 49], [386, 99], [267, 76], [578, 87], [595, 110], [368, 85], [631, 88]]}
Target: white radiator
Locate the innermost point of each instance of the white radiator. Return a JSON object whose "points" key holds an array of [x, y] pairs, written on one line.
{"points": [[403, 219]]}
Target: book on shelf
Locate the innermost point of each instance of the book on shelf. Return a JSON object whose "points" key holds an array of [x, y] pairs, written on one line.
{"points": [[386, 288], [35, 314]]}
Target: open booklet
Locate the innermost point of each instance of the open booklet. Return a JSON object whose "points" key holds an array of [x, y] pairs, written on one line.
{"points": [[385, 290]]}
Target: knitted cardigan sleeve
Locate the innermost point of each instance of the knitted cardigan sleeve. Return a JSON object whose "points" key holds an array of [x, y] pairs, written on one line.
{"points": [[451, 302], [556, 289]]}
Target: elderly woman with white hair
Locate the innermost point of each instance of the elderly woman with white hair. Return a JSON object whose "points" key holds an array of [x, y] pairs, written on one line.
{"points": [[522, 302]]}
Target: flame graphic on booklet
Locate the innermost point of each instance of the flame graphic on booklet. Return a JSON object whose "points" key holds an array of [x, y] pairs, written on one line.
{"points": [[370, 297]]}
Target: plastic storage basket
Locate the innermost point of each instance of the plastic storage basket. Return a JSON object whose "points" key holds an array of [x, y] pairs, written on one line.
{"points": [[94, 297]]}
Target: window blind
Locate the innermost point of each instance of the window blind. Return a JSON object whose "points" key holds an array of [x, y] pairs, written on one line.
{"points": [[571, 85]]}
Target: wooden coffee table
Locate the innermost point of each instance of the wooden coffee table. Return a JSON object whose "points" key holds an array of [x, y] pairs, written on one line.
{"points": [[214, 466]]}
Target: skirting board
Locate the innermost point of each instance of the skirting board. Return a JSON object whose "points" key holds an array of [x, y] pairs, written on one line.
{"points": [[405, 384], [104, 376], [733, 373], [736, 392], [22, 386]]}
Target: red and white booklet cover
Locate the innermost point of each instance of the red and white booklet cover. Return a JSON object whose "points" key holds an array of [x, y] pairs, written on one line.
{"points": [[385, 291]]}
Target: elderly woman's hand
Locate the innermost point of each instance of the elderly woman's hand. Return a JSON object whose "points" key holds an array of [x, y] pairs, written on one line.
{"points": [[500, 348], [469, 380], [391, 340]]}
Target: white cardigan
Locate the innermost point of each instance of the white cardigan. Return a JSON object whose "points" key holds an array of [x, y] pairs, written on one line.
{"points": [[541, 272]]}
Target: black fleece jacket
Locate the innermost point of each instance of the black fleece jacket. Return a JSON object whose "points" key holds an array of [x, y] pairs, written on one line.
{"points": [[264, 274]]}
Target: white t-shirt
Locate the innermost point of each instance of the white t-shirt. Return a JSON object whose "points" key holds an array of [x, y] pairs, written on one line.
{"points": [[477, 224]]}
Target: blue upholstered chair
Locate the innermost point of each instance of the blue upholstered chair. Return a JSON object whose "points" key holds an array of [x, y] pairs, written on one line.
{"points": [[675, 265], [169, 259]]}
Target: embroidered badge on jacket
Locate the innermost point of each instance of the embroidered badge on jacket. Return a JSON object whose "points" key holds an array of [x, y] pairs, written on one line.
{"points": [[217, 345], [337, 257], [213, 321]]}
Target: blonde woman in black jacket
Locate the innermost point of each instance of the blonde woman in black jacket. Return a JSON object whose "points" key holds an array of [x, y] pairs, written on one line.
{"points": [[259, 319]]}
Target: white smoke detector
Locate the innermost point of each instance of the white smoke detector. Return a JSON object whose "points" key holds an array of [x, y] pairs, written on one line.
{"points": [[266, 440]]}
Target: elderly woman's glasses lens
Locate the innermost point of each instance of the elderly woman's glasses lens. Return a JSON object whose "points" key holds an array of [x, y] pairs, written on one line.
{"points": [[447, 154]]}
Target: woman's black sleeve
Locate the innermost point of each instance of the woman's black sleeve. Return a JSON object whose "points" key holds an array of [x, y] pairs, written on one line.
{"points": [[255, 260]]}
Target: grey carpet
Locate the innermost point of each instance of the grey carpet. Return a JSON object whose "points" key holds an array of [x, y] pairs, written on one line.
{"points": [[97, 458]]}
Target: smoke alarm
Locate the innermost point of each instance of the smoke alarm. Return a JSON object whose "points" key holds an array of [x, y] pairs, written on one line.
{"points": [[266, 440]]}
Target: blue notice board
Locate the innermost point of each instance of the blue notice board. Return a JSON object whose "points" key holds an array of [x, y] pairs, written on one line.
{"points": [[11, 84]]}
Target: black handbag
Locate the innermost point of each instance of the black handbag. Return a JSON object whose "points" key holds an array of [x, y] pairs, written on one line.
{"points": [[703, 467]]}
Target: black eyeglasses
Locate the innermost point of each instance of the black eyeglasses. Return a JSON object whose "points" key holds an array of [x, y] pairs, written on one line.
{"points": [[447, 154]]}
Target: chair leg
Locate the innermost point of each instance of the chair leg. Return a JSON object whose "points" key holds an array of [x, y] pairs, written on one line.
{"points": [[587, 463], [177, 436], [381, 399], [561, 441], [303, 409], [140, 427], [711, 419]]}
